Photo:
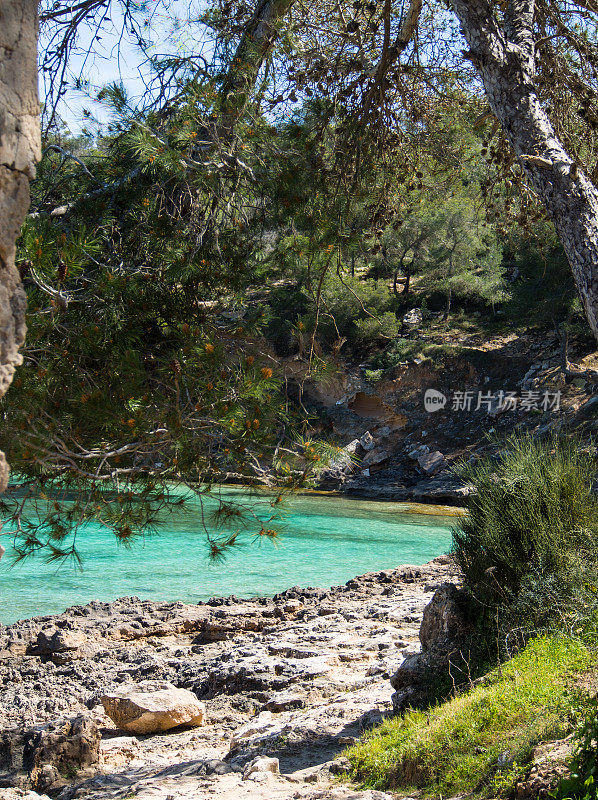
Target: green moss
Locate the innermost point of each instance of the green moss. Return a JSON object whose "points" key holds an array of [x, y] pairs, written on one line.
{"points": [[478, 741]]}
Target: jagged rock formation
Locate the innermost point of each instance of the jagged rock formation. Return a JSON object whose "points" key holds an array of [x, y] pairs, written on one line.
{"points": [[287, 682], [19, 150], [42, 756], [445, 626]]}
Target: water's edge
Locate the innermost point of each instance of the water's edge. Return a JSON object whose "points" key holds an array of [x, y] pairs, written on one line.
{"points": [[325, 539]]}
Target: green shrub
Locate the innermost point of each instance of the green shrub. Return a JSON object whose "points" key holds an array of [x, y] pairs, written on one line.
{"points": [[370, 329], [408, 349], [582, 782], [529, 545], [479, 741], [360, 310], [541, 281]]}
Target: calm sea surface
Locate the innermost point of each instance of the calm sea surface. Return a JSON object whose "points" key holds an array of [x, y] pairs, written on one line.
{"points": [[325, 541]]}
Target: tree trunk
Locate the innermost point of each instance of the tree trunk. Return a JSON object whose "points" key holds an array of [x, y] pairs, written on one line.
{"points": [[256, 43], [447, 308], [449, 291], [407, 282], [19, 150], [504, 57]]}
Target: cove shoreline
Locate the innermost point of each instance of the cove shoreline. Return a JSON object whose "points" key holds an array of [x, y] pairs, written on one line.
{"points": [[297, 676], [323, 540]]}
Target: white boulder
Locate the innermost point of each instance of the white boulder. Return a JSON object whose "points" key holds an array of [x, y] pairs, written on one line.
{"points": [[261, 764], [152, 706], [412, 319]]}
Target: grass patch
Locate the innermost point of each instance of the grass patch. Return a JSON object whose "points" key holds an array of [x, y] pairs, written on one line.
{"points": [[478, 741]]}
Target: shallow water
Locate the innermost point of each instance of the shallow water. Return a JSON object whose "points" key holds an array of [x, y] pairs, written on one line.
{"points": [[325, 541]]}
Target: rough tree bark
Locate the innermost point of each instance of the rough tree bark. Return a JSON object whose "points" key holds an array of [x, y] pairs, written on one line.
{"points": [[257, 41], [19, 150], [504, 57]]}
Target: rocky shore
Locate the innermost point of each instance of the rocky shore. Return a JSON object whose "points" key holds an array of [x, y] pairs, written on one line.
{"points": [[287, 683]]}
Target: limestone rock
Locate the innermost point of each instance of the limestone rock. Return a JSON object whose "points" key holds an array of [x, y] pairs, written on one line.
{"points": [[261, 764], [412, 319], [152, 706], [262, 727], [19, 150], [549, 765], [431, 463], [444, 626], [54, 640], [39, 757], [352, 447], [282, 701], [422, 450], [377, 455], [119, 751], [445, 621], [367, 441], [442, 488]]}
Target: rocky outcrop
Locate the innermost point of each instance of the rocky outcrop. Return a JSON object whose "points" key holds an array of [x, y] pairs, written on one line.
{"points": [[397, 485], [19, 150], [62, 646], [431, 463], [294, 678], [445, 626], [549, 764], [445, 620], [153, 706], [44, 757], [442, 488]]}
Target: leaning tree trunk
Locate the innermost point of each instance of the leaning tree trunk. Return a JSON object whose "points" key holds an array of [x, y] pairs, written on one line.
{"points": [[257, 41], [504, 57], [19, 150]]}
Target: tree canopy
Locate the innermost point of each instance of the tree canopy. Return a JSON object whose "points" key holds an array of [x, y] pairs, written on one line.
{"points": [[286, 175]]}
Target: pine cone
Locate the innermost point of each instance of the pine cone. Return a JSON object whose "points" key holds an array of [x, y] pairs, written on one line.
{"points": [[24, 268]]}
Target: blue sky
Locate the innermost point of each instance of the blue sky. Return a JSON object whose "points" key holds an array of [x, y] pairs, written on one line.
{"points": [[116, 58]]}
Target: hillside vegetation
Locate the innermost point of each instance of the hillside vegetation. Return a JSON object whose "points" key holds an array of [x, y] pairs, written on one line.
{"points": [[479, 742]]}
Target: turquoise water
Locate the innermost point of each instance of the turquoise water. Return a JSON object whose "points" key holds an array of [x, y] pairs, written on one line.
{"points": [[325, 541]]}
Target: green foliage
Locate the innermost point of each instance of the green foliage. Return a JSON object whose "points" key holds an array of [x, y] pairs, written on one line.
{"points": [[361, 310], [144, 366], [403, 349], [372, 329], [582, 782], [165, 257], [539, 277], [465, 259], [529, 544], [479, 741]]}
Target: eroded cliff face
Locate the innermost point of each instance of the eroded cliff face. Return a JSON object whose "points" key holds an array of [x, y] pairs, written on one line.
{"points": [[19, 151]]}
